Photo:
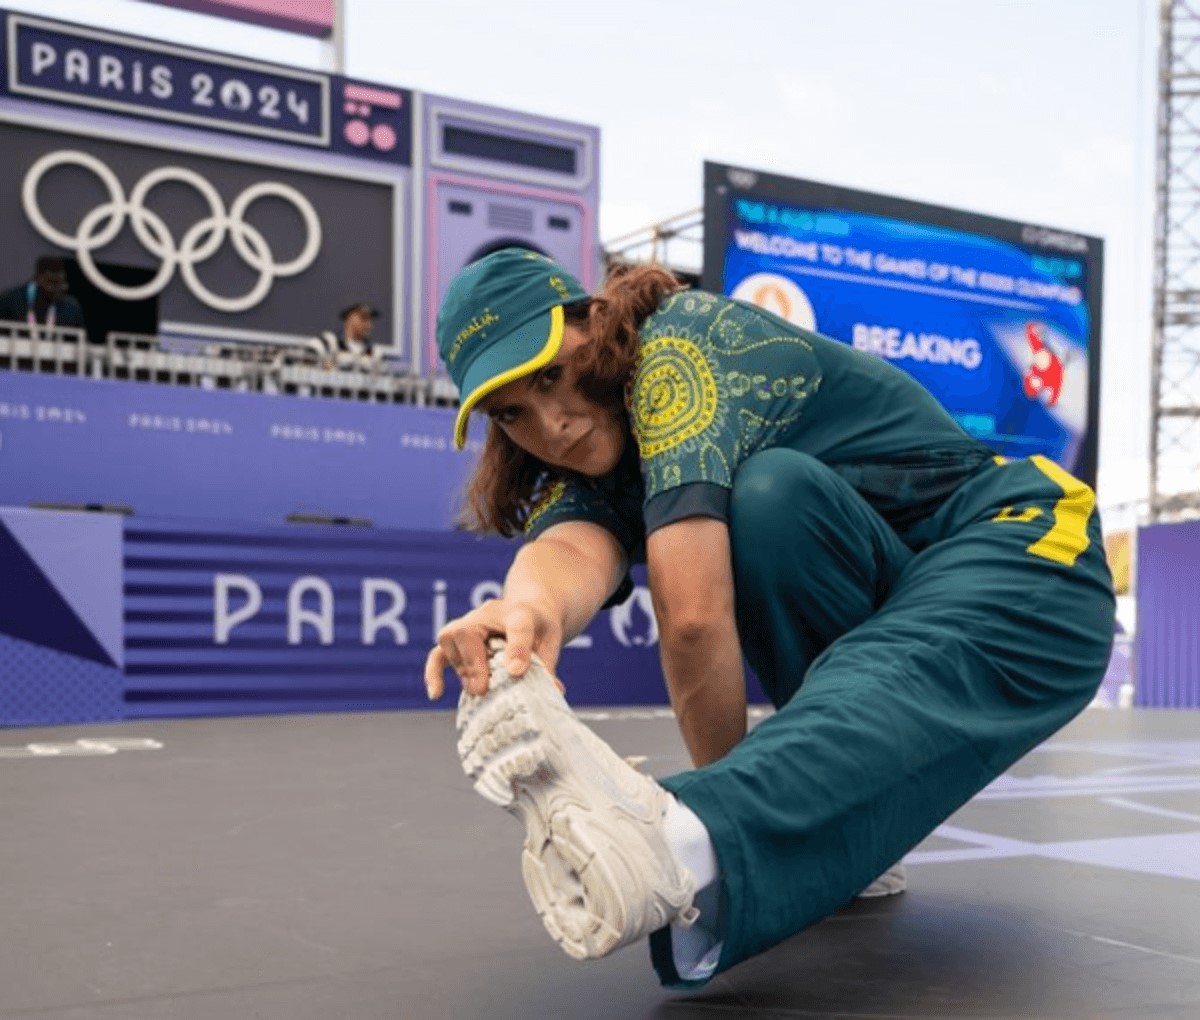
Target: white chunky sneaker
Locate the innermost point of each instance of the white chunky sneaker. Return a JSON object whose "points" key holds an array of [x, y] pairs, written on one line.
{"points": [[596, 861], [892, 881]]}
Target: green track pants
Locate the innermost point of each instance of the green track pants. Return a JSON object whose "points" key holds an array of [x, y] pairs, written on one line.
{"points": [[904, 682]]}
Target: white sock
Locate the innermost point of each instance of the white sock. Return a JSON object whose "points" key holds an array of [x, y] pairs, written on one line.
{"points": [[697, 948], [689, 841]]}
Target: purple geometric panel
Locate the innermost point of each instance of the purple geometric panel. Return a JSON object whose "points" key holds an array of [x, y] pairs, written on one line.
{"points": [[1119, 674], [43, 687], [1168, 599], [33, 610], [493, 178], [80, 555]]}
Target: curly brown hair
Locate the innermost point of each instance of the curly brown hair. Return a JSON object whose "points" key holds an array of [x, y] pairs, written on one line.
{"points": [[508, 482]]}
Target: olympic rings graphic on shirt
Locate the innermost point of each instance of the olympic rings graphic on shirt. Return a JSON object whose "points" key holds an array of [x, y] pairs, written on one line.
{"points": [[198, 243]]}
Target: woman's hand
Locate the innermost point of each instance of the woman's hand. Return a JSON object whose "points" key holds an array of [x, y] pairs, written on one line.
{"points": [[557, 582], [527, 629]]}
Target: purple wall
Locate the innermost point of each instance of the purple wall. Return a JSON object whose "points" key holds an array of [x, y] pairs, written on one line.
{"points": [[103, 618], [61, 645], [1168, 631], [184, 451]]}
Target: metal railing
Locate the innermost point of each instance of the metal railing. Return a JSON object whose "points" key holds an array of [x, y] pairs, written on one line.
{"points": [[296, 369], [59, 350]]}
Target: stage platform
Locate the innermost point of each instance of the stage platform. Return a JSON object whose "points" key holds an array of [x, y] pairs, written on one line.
{"points": [[340, 866]]}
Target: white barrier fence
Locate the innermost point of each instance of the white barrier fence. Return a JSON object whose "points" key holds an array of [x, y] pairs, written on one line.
{"points": [[297, 369]]}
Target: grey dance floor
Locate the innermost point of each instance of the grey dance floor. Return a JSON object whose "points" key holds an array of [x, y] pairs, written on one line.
{"points": [[340, 867]]}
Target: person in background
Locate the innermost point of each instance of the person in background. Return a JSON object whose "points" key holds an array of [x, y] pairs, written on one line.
{"points": [[43, 301], [920, 612], [350, 349]]}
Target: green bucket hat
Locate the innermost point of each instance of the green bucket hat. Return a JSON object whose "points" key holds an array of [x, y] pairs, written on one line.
{"points": [[501, 319]]}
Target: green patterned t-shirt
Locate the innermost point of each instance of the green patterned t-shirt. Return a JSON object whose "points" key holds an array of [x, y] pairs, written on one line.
{"points": [[718, 380]]}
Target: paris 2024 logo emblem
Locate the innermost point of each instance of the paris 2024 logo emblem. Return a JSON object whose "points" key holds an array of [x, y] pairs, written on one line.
{"points": [[633, 622]]}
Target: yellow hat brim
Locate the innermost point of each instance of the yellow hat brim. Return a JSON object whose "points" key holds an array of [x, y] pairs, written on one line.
{"points": [[487, 382]]}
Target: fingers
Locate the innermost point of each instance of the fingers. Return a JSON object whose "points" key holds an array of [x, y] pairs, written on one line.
{"points": [[466, 654], [519, 632], [548, 651], [436, 664], [435, 670], [470, 661], [462, 646]]}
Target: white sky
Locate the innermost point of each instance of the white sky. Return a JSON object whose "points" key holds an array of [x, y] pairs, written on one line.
{"points": [[1035, 110]]}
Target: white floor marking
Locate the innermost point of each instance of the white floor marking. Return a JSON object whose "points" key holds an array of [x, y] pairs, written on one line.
{"points": [[1149, 809], [86, 747], [1131, 945]]}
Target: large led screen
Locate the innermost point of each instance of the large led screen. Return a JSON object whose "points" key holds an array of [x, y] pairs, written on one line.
{"points": [[1000, 320]]}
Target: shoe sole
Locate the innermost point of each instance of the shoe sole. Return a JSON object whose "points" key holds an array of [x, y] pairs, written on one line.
{"points": [[891, 883], [507, 751]]}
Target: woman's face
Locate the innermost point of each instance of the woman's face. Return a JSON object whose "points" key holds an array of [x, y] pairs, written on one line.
{"points": [[547, 415]]}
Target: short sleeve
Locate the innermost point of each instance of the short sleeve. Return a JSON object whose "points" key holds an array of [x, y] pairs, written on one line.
{"points": [[568, 499], [574, 499], [715, 383]]}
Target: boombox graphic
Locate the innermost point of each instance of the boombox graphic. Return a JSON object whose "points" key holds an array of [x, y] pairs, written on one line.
{"points": [[495, 178]]}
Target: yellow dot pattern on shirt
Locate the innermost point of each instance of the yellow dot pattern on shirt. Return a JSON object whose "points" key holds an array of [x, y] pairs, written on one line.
{"points": [[674, 395], [551, 496]]}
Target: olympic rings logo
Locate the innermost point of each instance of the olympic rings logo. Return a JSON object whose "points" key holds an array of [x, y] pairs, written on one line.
{"points": [[200, 241]]}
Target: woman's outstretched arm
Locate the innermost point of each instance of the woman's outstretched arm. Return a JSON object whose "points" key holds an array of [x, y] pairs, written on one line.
{"points": [[554, 587]]}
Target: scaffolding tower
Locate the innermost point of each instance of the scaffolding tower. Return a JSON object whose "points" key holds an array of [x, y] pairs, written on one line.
{"points": [[1175, 373]]}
